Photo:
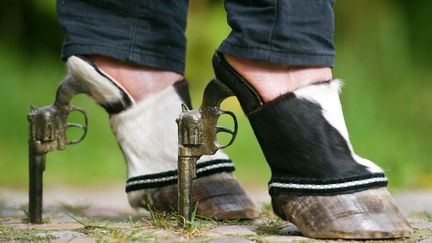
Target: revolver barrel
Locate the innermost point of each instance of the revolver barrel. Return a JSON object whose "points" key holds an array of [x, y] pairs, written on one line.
{"points": [[36, 169], [186, 168]]}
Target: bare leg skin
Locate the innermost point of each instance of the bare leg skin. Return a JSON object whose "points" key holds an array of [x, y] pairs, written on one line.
{"points": [[273, 80], [139, 81]]}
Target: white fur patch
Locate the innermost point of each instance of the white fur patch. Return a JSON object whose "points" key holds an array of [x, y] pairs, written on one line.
{"points": [[99, 87], [147, 133], [327, 96]]}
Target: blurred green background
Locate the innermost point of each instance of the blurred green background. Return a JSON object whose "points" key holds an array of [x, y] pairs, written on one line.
{"points": [[383, 53]]}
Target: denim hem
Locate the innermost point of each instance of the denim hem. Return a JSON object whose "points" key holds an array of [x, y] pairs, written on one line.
{"points": [[142, 57], [275, 56]]}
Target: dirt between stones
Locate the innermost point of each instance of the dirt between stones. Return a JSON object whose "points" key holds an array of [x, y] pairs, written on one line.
{"points": [[98, 214]]}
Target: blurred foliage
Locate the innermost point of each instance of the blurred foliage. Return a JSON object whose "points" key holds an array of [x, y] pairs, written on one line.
{"points": [[383, 53]]}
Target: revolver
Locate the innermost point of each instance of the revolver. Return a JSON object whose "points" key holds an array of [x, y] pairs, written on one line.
{"points": [[48, 126], [197, 136]]}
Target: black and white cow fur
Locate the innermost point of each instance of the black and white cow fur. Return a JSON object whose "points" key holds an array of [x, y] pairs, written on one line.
{"points": [[303, 137], [145, 130]]}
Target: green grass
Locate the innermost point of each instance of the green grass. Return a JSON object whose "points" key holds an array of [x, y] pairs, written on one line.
{"points": [[144, 228], [79, 209], [153, 227], [189, 228], [9, 233], [106, 232], [162, 220], [269, 226]]}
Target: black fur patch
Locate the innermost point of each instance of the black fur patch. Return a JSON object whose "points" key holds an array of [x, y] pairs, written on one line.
{"points": [[115, 108], [246, 94], [182, 89], [299, 144], [162, 179]]}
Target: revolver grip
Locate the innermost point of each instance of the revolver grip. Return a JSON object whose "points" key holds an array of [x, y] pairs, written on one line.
{"points": [[214, 94]]}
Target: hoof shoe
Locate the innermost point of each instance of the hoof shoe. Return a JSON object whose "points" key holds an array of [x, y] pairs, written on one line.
{"points": [[369, 214], [219, 197]]}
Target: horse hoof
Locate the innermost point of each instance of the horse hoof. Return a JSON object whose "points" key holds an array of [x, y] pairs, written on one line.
{"points": [[369, 214], [217, 196]]}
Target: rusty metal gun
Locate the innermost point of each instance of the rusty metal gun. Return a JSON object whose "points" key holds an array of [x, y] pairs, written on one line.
{"points": [[197, 136], [48, 126]]}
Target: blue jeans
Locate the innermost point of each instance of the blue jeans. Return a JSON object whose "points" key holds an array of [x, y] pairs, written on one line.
{"points": [[151, 33]]}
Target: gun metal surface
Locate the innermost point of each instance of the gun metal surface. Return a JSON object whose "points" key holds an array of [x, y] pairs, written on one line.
{"points": [[197, 136], [48, 126]]}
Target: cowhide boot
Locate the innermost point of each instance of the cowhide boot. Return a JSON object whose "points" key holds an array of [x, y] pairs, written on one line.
{"points": [[318, 182], [147, 134]]}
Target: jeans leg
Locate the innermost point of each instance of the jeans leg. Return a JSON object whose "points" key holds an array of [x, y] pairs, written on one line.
{"points": [[143, 32], [293, 32]]}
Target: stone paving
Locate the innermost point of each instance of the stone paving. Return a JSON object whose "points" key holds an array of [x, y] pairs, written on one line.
{"points": [[100, 215]]}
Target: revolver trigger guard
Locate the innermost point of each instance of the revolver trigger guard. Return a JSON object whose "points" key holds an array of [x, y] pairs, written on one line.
{"points": [[75, 125], [224, 129], [227, 130], [84, 126]]}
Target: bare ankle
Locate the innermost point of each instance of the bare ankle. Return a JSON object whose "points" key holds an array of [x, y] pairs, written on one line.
{"points": [[273, 80], [139, 81]]}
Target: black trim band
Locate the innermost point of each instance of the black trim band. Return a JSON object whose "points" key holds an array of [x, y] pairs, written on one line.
{"points": [[170, 177], [114, 108], [331, 186]]}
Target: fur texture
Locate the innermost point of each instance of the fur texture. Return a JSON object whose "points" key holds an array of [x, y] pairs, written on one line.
{"points": [[307, 144], [105, 90], [303, 137], [146, 131], [327, 96], [246, 94]]}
